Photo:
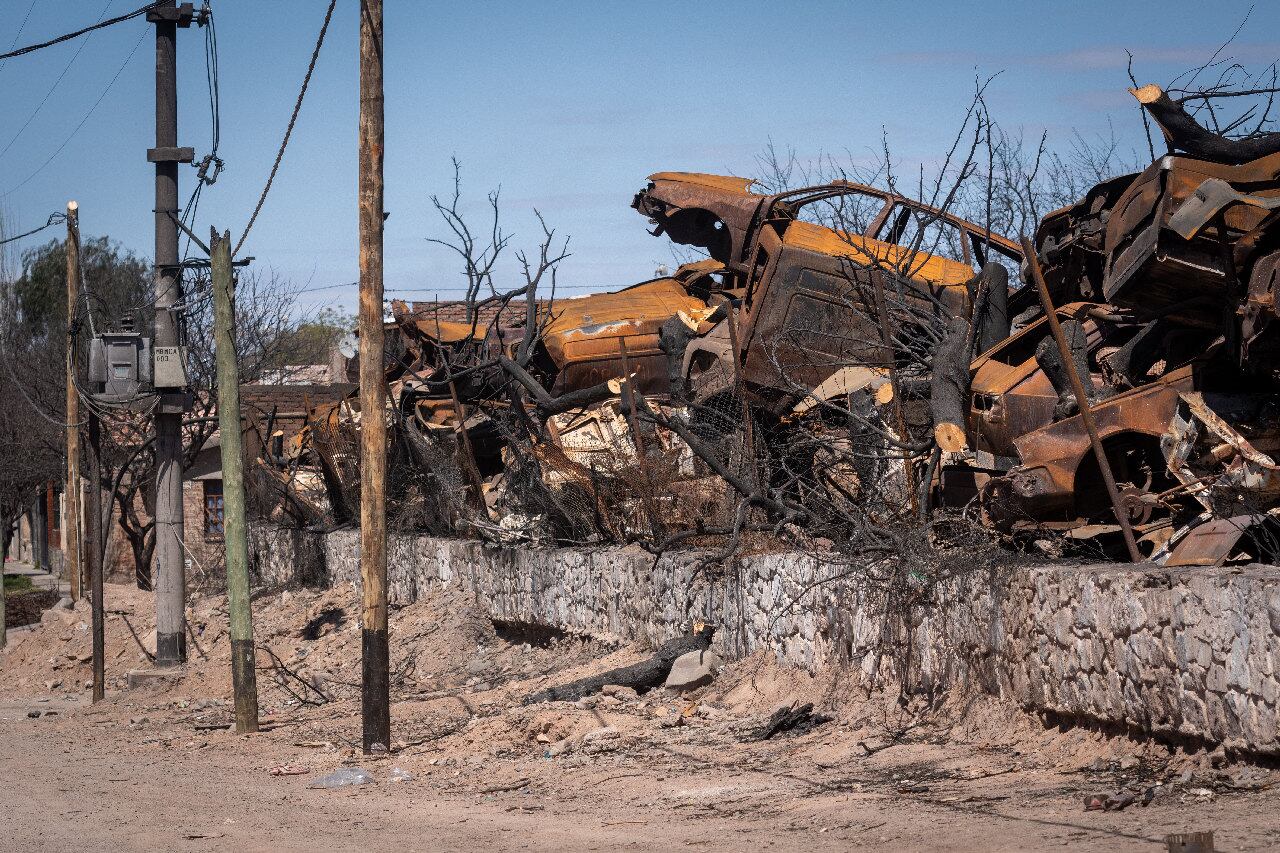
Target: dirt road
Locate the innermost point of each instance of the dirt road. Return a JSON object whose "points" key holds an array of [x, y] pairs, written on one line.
{"points": [[150, 769]]}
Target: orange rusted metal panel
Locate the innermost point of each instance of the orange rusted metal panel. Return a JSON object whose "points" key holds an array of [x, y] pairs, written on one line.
{"points": [[877, 254], [719, 182]]}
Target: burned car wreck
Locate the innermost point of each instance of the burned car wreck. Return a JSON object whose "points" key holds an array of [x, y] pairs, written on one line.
{"points": [[1176, 359]]}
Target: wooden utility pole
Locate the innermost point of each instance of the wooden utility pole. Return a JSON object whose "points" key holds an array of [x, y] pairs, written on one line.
{"points": [[93, 547], [170, 559], [375, 694], [91, 544], [244, 681], [71, 512]]}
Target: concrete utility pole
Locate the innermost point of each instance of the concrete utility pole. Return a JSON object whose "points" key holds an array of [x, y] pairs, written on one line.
{"points": [[243, 678], [169, 372], [71, 514], [375, 705]]}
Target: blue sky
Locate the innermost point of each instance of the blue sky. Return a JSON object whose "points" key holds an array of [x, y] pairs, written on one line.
{"points": [[567, 106]]}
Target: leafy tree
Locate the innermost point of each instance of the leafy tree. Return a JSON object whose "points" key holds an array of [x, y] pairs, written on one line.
{"points": [[117, 287], [312, 340], [117, 284]]}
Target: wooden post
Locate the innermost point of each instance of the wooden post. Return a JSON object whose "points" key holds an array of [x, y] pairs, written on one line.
{"points": [[244, 682], [375, 694], [1082, 400], [93, 554], [71, 514]]}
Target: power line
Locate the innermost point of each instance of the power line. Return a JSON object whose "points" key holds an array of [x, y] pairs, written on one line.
{"points": [[31, 48], [284, 143], [71, 135], [55, 85], [54, 219], [21, 27], [327, 287], [210, 166], [443, 289]]}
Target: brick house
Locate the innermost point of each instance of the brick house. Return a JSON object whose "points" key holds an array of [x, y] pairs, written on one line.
{"points": [[286, 406]]}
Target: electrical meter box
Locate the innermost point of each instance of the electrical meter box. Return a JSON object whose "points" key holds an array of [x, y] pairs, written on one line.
{"points": [[171, 367], [120, 365]]}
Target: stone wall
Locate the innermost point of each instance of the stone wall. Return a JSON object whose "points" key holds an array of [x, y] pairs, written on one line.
{"points": [[1176, 653]]}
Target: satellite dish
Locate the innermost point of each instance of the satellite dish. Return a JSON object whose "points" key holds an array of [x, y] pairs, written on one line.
{"points": [[349, 345]]}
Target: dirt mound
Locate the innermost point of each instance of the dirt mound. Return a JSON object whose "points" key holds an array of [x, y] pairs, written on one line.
{"points": [[26, 608], [458, 678]]}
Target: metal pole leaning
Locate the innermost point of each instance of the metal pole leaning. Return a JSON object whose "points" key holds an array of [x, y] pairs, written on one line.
{"points": [[1077, 388]]}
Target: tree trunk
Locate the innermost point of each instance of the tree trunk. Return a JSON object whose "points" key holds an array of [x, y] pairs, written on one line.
{"points": [[639, 676], [4, 556], [992, 313], [949, 388], [1050, 361], [142, 550], [1184, 133]]}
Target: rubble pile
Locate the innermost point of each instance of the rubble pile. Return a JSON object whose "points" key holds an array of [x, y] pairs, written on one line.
{"points": [[1164, 286], [846, 364]]}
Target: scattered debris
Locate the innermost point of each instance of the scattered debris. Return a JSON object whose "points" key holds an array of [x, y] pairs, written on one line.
{"points": [[289, 770], [344, 777], [793, 718], [638, 676], [1190, 842], [693, 670], [501, 787]]}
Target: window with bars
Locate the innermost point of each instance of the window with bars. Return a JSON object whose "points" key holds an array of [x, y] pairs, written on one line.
{"points": [[213, 509]]}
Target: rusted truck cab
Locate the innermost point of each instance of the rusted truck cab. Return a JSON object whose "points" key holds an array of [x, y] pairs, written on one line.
{"points": [[802, 269]]}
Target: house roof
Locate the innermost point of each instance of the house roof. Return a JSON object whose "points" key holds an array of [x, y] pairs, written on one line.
{"points": [[456, 311], [289, 402]]}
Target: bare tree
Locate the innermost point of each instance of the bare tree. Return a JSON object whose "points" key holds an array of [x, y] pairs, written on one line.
{"points": [[266, 315]]}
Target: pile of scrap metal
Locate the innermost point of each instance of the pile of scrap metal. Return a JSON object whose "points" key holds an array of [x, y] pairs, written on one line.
{"points": [[287, 483], [462, 377], [1164, 284], [773, 326], [793, 298], [824, 290], [845, 350]]}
